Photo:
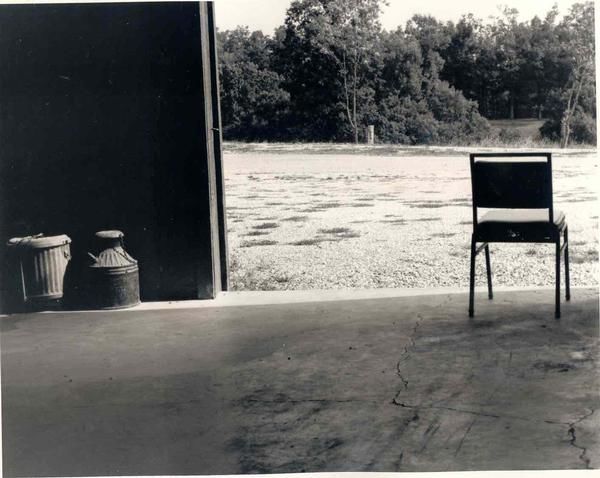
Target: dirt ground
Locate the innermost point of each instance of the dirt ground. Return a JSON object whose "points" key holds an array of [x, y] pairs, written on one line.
{"points": [[328, 216]]}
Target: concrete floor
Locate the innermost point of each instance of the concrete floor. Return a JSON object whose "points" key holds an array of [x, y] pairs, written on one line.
{"points": [[378, 384]]}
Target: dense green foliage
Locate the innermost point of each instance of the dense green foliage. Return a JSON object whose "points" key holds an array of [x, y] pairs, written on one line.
{"points": [[331, 70]]}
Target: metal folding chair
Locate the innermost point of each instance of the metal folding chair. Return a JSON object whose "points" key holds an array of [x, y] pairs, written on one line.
{"points": [[517, 188]]}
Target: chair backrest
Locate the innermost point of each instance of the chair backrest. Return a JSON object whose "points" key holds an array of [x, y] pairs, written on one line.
{"points": [[505, 180]]}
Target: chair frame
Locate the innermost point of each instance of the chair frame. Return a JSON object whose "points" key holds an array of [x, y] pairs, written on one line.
{"points": [[554, 237]]}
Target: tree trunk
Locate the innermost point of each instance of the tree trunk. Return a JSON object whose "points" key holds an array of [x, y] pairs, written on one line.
{"points": [[348, 112], [565, 123], [565, 129], [512, 105], [354, 104], [540, 101]]}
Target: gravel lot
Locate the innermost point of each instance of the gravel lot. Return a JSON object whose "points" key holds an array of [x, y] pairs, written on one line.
{"points": [[328, 216]]}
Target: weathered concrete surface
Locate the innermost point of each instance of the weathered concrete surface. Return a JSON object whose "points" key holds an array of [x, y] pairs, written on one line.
{"points": [[405, 384]]}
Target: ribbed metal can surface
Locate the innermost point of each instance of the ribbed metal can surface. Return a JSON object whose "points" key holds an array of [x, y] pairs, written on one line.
{"points": [[42, 263]]}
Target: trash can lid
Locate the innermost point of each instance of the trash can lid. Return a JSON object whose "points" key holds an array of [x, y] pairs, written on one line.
{"points": [[113, 234], [39, 241]]}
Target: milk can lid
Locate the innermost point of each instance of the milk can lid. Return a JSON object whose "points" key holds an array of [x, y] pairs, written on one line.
{"points": [[112, 234]]}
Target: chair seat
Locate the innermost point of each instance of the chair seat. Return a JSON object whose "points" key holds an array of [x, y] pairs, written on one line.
{"points": [[519, 225], [522, 215]]}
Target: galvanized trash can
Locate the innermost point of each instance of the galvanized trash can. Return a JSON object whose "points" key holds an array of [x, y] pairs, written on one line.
{"points": [[113, 274], [40, 264]]}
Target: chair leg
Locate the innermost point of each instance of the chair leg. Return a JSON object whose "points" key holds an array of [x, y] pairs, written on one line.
{"points": [[489, 271], [557, 298], [472, 279], [567, 281]]}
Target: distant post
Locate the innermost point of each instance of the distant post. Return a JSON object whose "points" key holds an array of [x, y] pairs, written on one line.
{"points": [[371, 134]]}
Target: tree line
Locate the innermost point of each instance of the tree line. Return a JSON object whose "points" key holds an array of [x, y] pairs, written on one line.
{"points": [[331, 69]]}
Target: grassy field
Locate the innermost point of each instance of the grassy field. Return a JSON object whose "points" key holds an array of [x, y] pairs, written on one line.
{"points": [[528, 128], [345, 216]]}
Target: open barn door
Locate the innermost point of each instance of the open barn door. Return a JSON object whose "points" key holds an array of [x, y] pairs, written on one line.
{"points": [[109, 119]]}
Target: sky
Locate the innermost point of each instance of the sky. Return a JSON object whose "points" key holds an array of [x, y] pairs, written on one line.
{"points": [[266, 15]]}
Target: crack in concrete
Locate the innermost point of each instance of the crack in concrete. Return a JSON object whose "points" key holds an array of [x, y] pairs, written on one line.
{"points": [[428, 435], [582, 455], [399, 373], [398, 461], [573, 440], [459, 410], [462, 440], [456, 393], [583, 417], [309, 400], [477, 416], [445, 302], [479, 413], [404, 357]]}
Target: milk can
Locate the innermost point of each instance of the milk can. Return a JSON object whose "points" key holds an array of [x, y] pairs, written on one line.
{"points": [[40, 264], [113, 274]]}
